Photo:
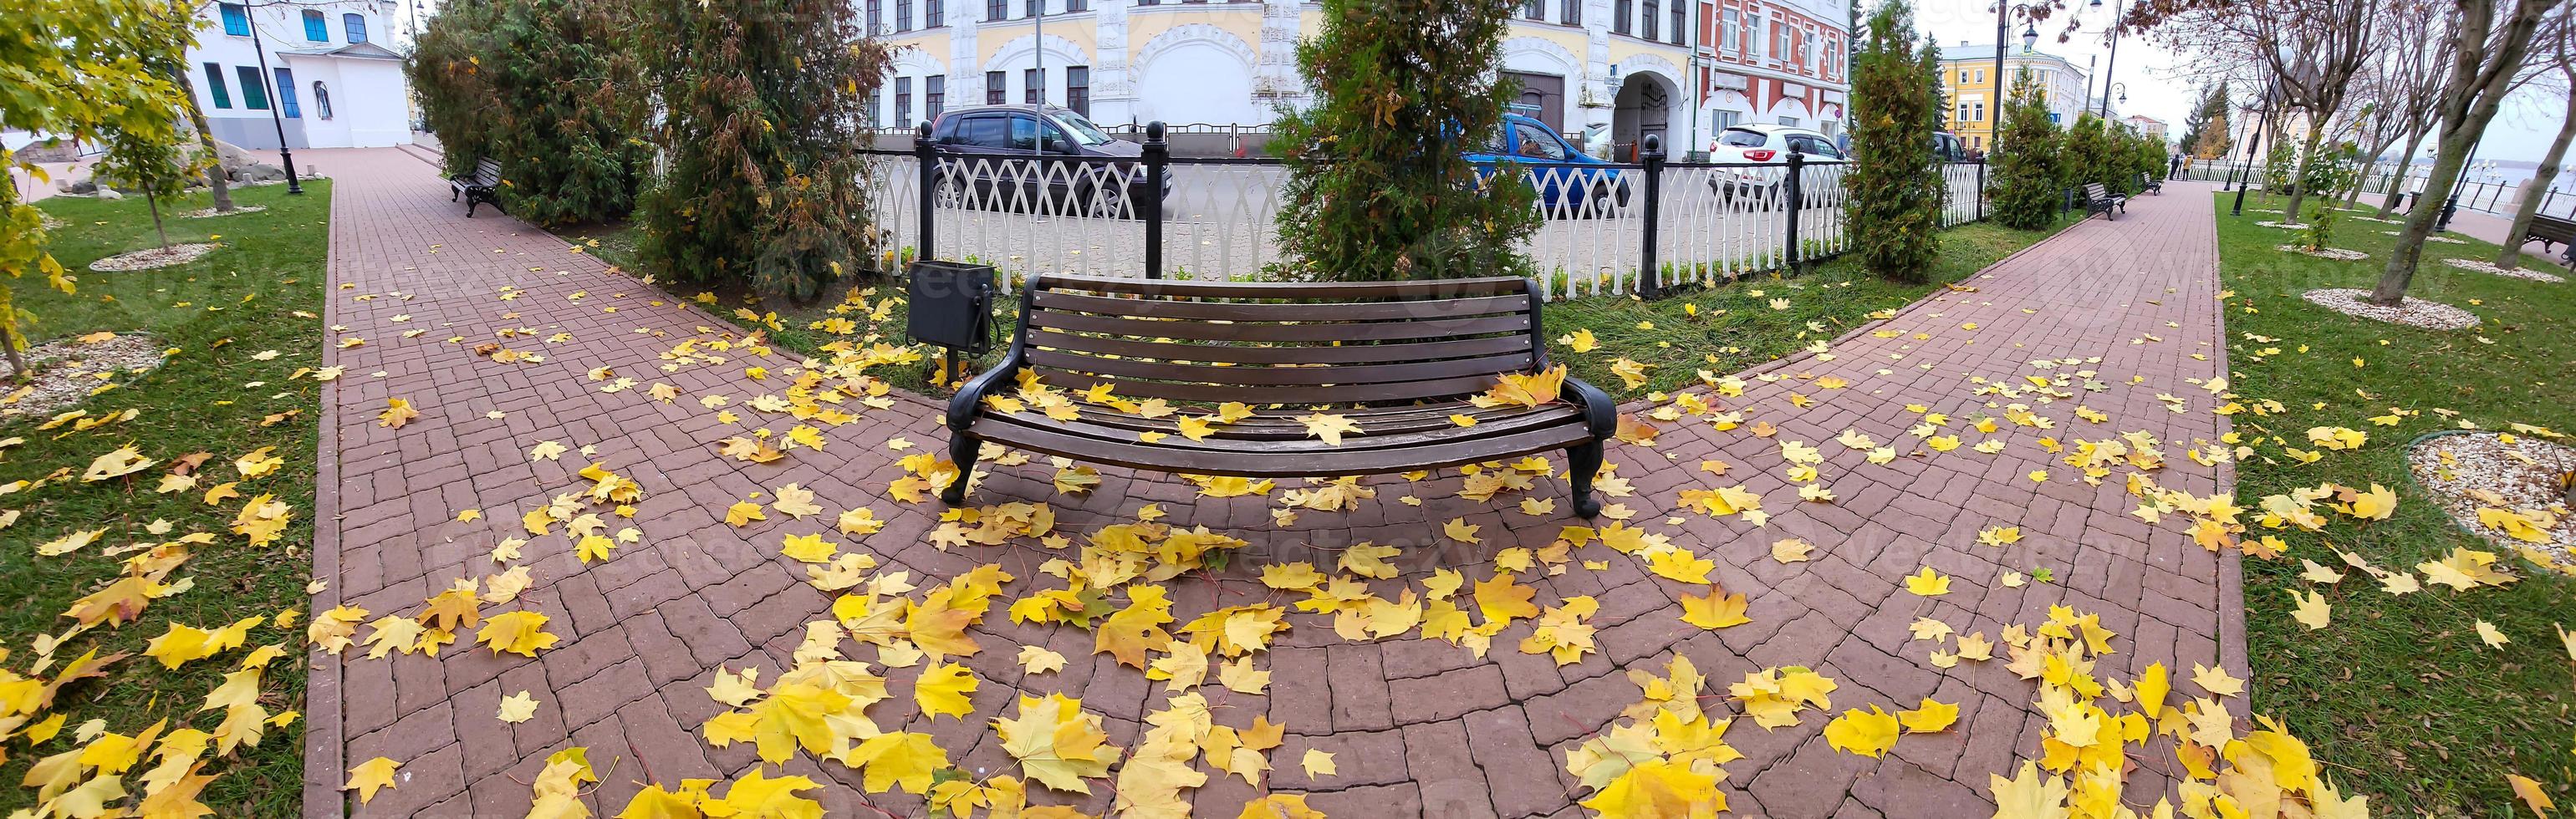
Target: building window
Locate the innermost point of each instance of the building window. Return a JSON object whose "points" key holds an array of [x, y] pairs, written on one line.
{"points": [[1978, 112], [1071, 6], [321, 100], [1681, 21], [1789, 121], [1570, 13], [934, 13], [1779, 40], [876, 17], [1619, 12], [934, 96], [903, 15], [315, 28], [357, 26], [1748, 36], [1646, 24], [286, 94], [997, 10], [1077, 89], [1036, 7], [1729, 39], [903, 100], [1034, 81], [215, 89], [997, 88], [1535, 10], [254, 92], [236, 18], [1807, 48], [1728, 119]]}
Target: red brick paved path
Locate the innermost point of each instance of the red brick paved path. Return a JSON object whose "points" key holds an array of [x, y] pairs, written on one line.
{"points": [[1418, 727]]}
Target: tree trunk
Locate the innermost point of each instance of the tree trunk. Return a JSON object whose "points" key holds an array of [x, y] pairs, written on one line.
{"points": [[2537, 189], [2352, 194], [2307, 161], [215, 174], [155, 203], [2405, 172]]}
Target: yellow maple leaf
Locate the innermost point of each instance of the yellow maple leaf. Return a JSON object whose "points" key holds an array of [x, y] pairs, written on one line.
{"points": [[1503, 599], [943, 689], [398, 411], [517, 708], [809, 548], [1659, 788], [1328, 426], [1679, 564], [1927, 583], [1932, 716], [906, 759], [1056, 742], [369, 776], [1714, 610], [1868, 734], [1524, 390], [742, 513], [124, 460], [519, 632], [1581, 341]]}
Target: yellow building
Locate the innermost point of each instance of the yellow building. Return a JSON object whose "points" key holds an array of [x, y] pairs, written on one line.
{"points": [[1968, 81]]}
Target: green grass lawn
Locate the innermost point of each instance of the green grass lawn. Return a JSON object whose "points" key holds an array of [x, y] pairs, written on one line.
{"points": [[261, 291], [1735, 325], [2397, 696]]}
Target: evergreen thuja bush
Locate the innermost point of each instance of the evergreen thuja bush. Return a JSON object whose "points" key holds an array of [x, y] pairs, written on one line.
{"points": [[2025, 175], [455, 90], [1378, 183], [1893, 183], [762, 101], [570, 120]]}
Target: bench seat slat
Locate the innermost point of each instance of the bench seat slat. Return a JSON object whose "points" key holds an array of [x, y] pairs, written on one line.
{"points": [[1169, 288], [1289, 394], [1310, 333], [1045, 338], [1276, 439], [1488, 366], [1303, 311], [1324, 461], [1378, 423]]}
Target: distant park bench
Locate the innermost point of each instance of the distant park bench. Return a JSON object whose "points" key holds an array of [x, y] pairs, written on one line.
{"points": [[483, 185], [2551, 231], [2098, 199], [2147, 183]]}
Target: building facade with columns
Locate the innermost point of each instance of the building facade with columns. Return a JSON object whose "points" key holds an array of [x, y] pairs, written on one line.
{"points": [[1616, 68]]}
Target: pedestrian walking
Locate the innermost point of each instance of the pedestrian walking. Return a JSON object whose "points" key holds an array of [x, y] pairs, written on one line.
{"points": [[2175, 172]]}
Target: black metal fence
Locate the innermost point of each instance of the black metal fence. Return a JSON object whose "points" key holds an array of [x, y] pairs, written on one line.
{"points": [[1606, 227]]}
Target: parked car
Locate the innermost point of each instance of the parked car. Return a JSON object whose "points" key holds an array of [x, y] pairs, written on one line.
{"points": [[1764, 143], [1566, 177], [1014, 156], [1947, 147]]}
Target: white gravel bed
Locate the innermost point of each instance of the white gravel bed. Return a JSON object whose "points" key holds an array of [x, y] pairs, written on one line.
{"points": [[2487, 267], [209, 213], [2335, 253], [2430, 237], [2414, 312], [2282, 225], [2480, 470], [153, 258], [68, 369]]}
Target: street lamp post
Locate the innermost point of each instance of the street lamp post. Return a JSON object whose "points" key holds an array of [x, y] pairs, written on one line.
{"points": [[2029, 40], [2119, 88], [2451, 205], [2253, 146], [268, 78], [2112, 64]]}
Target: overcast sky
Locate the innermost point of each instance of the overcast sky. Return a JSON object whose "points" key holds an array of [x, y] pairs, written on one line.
{"points": [[2156, 88]]}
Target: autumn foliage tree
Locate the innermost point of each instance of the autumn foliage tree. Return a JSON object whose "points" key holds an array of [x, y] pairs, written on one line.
{"points": [[86, 70], [1378, 183], [2025, 160], [1893, 211], [763, 100]]}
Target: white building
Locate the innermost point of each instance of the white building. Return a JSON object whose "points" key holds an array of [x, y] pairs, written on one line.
{"points": [[1633, 67], [328, 83]]}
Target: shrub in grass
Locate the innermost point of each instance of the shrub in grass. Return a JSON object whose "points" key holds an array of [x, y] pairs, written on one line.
{"points": [[2025, 160], [1894, 180]]}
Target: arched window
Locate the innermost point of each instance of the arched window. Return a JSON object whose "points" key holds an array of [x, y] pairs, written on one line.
{"points": [[314, 28], [321, 100], [357, 25]]}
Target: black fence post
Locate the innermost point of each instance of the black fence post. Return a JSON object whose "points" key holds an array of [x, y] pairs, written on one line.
{"points": [[1794, 201], [1981, 189], [928, 158], [1650, 277], [1157, 154]]}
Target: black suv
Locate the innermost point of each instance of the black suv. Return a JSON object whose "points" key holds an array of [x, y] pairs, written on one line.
{"points": [[1041, 159]]}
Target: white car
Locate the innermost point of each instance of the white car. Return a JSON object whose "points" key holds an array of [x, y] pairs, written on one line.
{"points": [[1764, 143]]}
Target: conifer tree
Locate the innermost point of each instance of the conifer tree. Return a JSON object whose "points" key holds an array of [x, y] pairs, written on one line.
{"points": [[1378, 183], [2025, 160], [762, 102], [545, 88], [1894, 179]]}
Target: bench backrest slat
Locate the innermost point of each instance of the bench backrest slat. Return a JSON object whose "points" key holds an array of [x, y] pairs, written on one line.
{"points": [[487, 173], [1273, 343]]}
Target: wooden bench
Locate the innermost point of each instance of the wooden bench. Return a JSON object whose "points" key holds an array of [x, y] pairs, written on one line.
{"points": [[2148, 183], [2098, 199], [2551, 231], [484, 185], [1396, 358]]}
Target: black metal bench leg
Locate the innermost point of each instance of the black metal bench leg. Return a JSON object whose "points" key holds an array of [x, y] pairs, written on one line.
{"points": [[1584, 464], [452, 194], [961, 451], [470, 204]]}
